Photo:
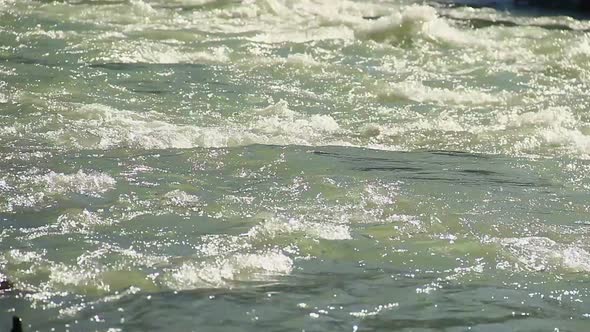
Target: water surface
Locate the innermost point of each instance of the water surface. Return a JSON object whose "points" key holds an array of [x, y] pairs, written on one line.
{"points": [[312, 165]]}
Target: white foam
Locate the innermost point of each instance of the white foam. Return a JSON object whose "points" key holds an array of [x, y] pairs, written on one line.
{"points": [[4, 98], [413, 22], [552, 116], [555, 129], [80, 222], [418, 92], [51, 34], [91, 183], [398, 26], [104, 127], [276, 226], [279, 120], [303, 59], [17, 256], [141, 8], [572, 140], [181, 198], [23, 200], [223, 272], [164, 53], [541, 253], [295, 36], [81, 277], [579, 49]]}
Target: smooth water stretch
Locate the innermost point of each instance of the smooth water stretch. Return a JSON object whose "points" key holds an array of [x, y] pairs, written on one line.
{"points": [[282, 165]]}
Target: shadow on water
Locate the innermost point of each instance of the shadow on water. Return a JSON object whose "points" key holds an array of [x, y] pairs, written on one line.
{"points": [[437, 166]]}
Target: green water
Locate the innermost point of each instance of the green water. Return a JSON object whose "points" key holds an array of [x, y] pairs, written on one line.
{"points": [[277, 165]]}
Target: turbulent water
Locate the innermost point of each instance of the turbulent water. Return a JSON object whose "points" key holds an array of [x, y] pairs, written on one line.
{"points": [[282, 165]]}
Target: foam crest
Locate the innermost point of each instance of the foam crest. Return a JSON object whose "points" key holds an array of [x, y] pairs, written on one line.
{"points": [[20, 200], [554, 127], [51, 34], [552, 117], [104, 127], [580, 48], [418, 92], [311, 34], [302, 59], [91, 183], [541, 253], [83, 278], [163, 53], [4, 98], [80, 222], [225, 271], [140, 7], [110, 128], [182, 199], [412, 22], [399, 26], [279, 120], [276, 226], [572, 140]]}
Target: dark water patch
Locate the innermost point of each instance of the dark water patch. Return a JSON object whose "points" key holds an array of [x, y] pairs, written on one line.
{"points": [[118, 66], [437, 323], [458, 154], [147, 87], [388, 168], [449, 167], [479, 172], [20, 59]]}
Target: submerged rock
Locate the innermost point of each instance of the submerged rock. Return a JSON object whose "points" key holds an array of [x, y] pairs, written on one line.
{"points": [[5, 284]]}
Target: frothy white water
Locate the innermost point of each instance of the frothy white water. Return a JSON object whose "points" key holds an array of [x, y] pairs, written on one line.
{"points": [[328, 230], [162, 53], [554, 127], [541, 254], [104, 127], [418, 92], [80, 221], [551, 130], [225, 271], [92, 183], [414, 22], [182, 199]]}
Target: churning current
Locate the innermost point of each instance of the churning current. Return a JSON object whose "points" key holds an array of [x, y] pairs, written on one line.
{"points": [[283, 165]]}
